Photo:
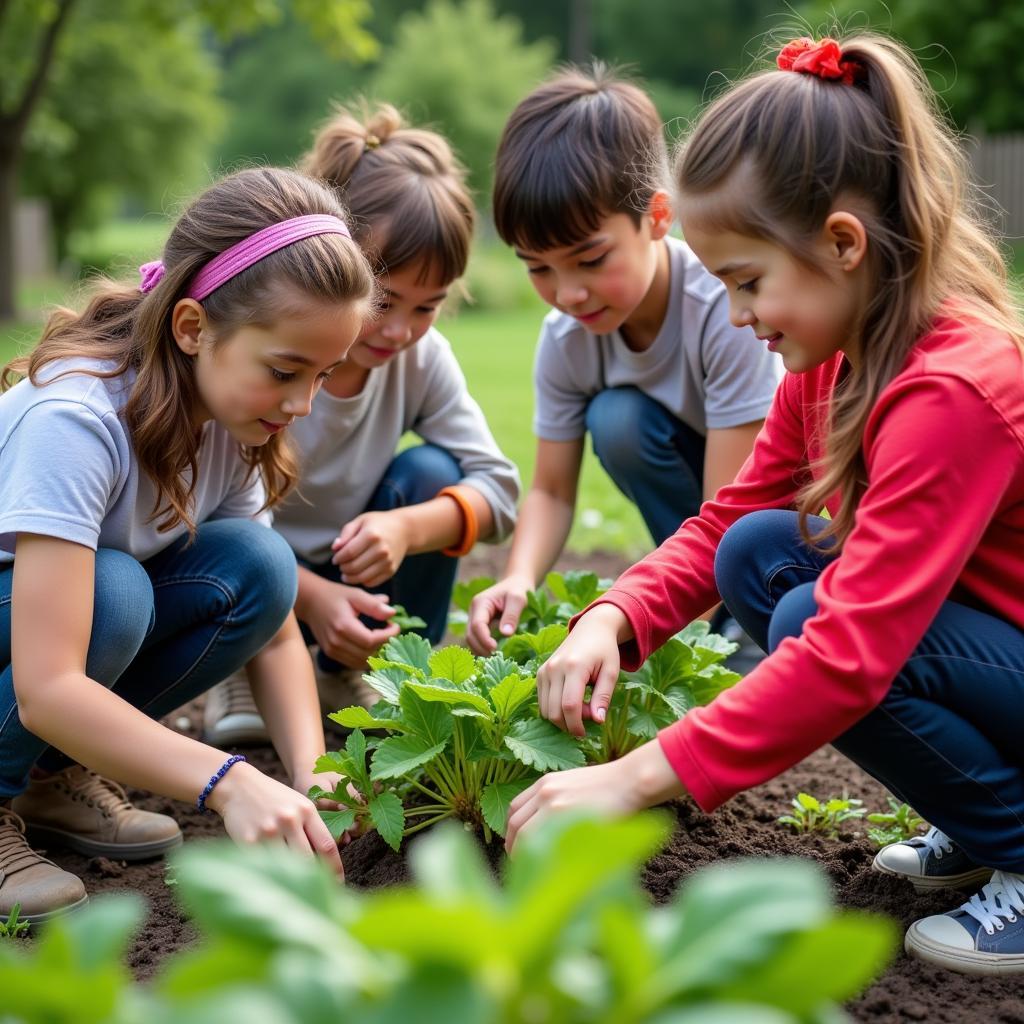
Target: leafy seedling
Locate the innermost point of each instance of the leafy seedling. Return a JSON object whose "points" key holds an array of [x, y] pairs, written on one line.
{"points": [[813, 815], [13, 926], [899, 823], [406, 622]]}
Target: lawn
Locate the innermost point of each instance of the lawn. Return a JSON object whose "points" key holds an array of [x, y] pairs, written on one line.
{"points": [[496, 352]]}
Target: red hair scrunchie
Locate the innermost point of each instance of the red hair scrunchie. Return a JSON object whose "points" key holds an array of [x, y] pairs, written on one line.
{"points": [[823, 60]]}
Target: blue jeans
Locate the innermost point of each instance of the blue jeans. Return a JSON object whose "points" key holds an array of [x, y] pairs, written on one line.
{"points": [[947, 737], [164, 630], [423, 583], [656, 460]]}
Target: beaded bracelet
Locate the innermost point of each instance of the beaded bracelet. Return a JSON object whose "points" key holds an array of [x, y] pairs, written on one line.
{"points": [[221, 772]]}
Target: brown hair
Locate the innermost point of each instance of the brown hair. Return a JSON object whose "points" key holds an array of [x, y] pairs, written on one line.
{"points": [[800, 144], [580, 147], [404, 189], [133, 331]]}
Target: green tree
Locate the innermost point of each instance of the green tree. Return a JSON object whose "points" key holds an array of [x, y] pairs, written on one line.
{"points": [[34, 39], [463, 68], [970, 50]]}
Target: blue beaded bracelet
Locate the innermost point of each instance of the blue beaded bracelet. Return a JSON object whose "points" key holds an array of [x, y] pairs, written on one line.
{"points": [[221, 772]]}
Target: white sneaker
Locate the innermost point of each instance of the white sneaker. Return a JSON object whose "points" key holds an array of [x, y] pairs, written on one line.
{"points": [[931, 861], [230, 716]]}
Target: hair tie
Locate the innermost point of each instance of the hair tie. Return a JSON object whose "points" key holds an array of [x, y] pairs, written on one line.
{"points": [[823, 60], [151, 273], [372, 142]]}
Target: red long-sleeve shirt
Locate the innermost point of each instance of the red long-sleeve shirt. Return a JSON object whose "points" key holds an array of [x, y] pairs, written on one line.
{"points": [[942, 517]]}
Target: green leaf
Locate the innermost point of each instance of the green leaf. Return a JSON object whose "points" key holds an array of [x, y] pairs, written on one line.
{"points": [[495, 800], [641, 722], [408, 649], [463, 593], [337, 761], [388, 817], [399, 755], [456, 664], [543, 746], [451, 695], [404, 621], [449, 866], [429, 720], [338, 822], [359, 718], [496, 668], [694, 632], [680, 699], [511, 693], [807, 802], [527, 646], [388, 678]]}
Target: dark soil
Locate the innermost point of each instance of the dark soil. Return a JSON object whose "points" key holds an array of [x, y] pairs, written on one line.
{"points": [[746, 826]]}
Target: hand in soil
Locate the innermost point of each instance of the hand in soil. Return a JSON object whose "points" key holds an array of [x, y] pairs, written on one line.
{"points": [[641, 779], [590, 654]]}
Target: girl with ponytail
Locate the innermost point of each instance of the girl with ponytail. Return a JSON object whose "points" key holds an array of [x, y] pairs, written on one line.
{"points": [[873, 544]]}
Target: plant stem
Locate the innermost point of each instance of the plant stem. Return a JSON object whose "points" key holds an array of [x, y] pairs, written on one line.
{"points": [[427, 823]]}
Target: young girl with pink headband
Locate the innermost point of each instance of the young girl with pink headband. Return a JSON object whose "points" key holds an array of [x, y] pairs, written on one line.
{"points": [[830, 198], [140, 451]]}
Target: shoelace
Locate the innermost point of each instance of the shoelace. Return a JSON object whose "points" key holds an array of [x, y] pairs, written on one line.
{"points": [[238, 695], [104, 793], [997, 901], [15, 853], [936, 842]]}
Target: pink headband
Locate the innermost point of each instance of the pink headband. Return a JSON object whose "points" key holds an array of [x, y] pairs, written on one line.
{"points": [[250, 250]]}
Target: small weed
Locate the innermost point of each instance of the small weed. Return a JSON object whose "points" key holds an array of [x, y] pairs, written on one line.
{"points": [[13, 926], [901, 822], [813, 815]]}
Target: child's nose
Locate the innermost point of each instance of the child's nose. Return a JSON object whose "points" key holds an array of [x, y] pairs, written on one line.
{"points": [[299, 401], [740, 314], [570, 293], [396, 329]]}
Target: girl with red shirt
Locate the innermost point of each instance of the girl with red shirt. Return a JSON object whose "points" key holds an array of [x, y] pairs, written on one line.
{"points": [[833, 202]]}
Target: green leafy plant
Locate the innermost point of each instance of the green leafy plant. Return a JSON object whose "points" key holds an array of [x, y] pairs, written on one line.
{"points": [[463, 738], [900, 822], [13, 926], [406, 622], [824, 816]]}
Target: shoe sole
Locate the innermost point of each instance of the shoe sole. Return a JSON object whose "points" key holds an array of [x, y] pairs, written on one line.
{"points": [[42, 835], [49, 915], [963, 961], [925, 883]]}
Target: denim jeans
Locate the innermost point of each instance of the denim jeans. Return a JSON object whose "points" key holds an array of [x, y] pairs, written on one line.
{"points": [[947, 737], [164, 630], [423, 583], [656, 460]]}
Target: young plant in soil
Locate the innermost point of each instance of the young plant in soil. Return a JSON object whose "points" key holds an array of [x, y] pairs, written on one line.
{"points": [[463, 739], [822, 816], [899, 823], [13, 926]]}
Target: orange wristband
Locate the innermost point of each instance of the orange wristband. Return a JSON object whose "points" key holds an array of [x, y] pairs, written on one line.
{"points": [[470, 526]]}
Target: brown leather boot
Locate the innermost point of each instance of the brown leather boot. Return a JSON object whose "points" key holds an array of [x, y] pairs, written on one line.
{"points": [[40, 888], [83, 811]]}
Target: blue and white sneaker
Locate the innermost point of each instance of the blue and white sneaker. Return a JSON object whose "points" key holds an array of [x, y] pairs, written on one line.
{"points": [[931, 861], [985, 936]]}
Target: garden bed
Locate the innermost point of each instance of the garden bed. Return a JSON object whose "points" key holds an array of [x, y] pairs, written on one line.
{"points": [[746, 826]]}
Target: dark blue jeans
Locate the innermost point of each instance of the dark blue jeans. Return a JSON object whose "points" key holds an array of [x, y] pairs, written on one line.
{"points": [[947, 737], [423, 584], [164, 630], [656, 460]]}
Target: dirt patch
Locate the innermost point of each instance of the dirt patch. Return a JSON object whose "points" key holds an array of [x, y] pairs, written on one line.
{"points": [[908, 991]]}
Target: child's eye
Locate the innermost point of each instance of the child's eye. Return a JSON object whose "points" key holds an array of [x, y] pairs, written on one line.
{"points": [[426, 310], [536, 271], [747, 286], [595, 262], [325, 376], [281, 375]]}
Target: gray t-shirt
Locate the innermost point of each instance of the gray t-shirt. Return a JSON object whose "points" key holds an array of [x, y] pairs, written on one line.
{"points": [[706, 372], [345, 445], [68, 470]]}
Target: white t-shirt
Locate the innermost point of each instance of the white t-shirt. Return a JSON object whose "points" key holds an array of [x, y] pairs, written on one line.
{"points": [[68, 470], [345, 445], [706, 372]]}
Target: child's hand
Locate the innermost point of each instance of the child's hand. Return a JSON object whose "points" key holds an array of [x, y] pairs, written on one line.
{"points": [[589, 654], [333, 617], [506, 598], [256, 808], [370, 548], [308, 780]]}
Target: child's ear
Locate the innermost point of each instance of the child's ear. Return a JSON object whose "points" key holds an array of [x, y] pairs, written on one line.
{"points": [[659, 209], [846, 238], [188, 320]]}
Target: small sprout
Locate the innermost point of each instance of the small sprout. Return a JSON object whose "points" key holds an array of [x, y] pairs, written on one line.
{"points": [[813, 815], [13, 926], [406, 622], [901, 822]]}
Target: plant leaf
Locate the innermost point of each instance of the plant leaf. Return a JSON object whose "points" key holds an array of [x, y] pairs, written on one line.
{"points": [[452, 695], [543, 746], [429, 720], [338, 822], [359, 718], [399, 755], [388, 817], [463, 593], [496, 668], [408, 649], [495, 800], [456, 664], [511, 693]]}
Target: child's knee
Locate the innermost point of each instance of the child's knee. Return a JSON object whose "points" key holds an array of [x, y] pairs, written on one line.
{"points": [[795, 607], [744, 544], [261, 562], [616, 420]]}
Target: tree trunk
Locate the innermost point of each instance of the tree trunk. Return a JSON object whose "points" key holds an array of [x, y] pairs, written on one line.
{"points": [[8, 196]]}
